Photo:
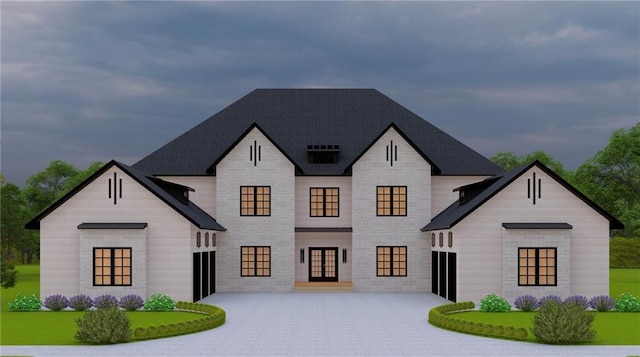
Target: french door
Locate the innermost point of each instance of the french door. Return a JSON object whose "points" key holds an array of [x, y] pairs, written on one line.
{"points": [[323, 264]]}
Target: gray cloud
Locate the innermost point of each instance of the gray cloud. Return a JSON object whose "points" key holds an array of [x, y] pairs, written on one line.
{"points": [[95, 81]]}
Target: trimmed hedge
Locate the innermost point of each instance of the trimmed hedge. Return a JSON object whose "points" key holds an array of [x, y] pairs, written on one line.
{"points": [[439, 317], [215, 317]]}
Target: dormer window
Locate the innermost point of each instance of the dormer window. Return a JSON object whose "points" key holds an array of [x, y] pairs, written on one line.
{"points": [[323, 154]]}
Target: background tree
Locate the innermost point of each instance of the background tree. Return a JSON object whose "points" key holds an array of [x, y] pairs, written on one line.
{"points": [[12, 219], [509, 161], [612, 178], [8, 274], [44, 187]]}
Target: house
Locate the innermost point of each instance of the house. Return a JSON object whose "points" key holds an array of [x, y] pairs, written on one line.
{"points": [[291, 187]]}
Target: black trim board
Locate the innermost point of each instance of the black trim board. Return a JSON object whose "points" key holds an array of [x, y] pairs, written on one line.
{"points": [[435, 170], [456, 212], [212, 169], [323, 229], [112, 226], [537, 225], [191, 211]]}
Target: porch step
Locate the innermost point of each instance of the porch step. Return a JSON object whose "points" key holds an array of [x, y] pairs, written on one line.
{"points": [[323, 287]]}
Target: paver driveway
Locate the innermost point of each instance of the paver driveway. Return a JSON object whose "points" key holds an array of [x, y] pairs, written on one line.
{"points": [[325, 324]]}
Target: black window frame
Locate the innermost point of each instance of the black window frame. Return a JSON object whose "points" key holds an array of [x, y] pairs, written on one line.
{"points": [[537, 266], [255, 201], [324, 201], [392, 203], [391, 260], [255, 255], [112, 261]]}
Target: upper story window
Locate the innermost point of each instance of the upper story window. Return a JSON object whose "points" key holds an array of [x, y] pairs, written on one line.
{"points": [[391, 200], [325, 202], [255, 200]]}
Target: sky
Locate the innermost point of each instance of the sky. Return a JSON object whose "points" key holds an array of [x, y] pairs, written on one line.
{"points": [[95, 81]]}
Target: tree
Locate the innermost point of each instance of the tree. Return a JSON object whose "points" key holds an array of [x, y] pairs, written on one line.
{"points": [[12, 218], [612, 178], [44, 187], [510, 161], [8, 274]]}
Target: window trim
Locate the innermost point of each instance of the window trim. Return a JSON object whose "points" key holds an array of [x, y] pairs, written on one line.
{"points": [[538, 266], [255, 202], [391, 202], [324, 202], [391, 261], [112, 275], [255, 260]]}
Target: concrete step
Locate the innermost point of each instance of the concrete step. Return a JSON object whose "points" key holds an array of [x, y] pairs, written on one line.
{"points": [[323, 287]]}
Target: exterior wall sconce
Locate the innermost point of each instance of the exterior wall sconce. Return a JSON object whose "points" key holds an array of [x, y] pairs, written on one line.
{"points": [[441, 239], [450, 239], [302, 255], [433, 239], [344, 255], [213, 239], [206, 239], [198, 240]]}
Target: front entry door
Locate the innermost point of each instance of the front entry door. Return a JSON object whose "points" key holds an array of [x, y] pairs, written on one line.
{"points": [[323, 264]]}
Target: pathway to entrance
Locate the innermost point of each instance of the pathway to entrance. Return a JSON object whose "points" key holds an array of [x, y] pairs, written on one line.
{"points": [[325, 324]]}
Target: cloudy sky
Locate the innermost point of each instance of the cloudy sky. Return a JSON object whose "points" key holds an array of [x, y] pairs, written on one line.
{"points": [[95, 81]]}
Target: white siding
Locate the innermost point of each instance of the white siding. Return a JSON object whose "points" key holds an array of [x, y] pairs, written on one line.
{"points": [[205, 190], [168, 248], [303, 216], [480, 262], [442, 195], [276, 231], [369, 230]]}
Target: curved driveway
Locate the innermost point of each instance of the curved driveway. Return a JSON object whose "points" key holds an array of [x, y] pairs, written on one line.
{"points": [[325, 324]]}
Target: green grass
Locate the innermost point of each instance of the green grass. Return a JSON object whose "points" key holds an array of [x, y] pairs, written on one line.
{"points": [[28, 283], [612, 328], [58, 328], [37, 328], [624, 281]]}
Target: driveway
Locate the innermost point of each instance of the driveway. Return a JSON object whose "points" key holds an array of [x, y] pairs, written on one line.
{"points": [[325, 324]]}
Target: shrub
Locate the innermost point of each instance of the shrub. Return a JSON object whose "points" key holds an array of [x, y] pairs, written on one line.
{"points": [[80, 302], [25, 303], [105, 301], [494, 303], [131, 302], [602, 303], [104, 326], [579, 300], [555, 298], [627, 303], [56, 302], [159, 302], [526, 303], [563, 323]]}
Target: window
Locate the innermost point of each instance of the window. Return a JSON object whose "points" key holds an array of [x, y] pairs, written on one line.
{"points": [[255, 200], [325, 202], [433, 239], [255, 261], [537, 266], [392, 201], [392, 261], [112, 266]]}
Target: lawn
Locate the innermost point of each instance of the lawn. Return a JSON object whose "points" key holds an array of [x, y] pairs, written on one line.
{"points": [[58, 328], [612, 328]]}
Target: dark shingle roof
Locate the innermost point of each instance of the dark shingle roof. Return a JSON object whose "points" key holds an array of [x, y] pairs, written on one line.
{"points": [[190, 211], [492, 185], [551, 225], [295, 118]]}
